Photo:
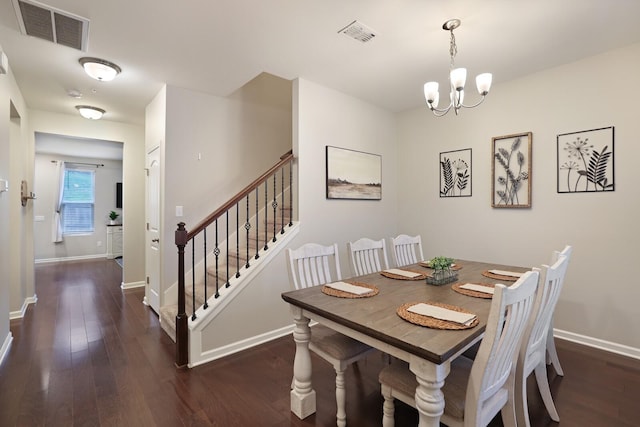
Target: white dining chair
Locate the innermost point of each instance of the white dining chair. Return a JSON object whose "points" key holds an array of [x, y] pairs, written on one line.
{"points": [[552, 353], [367, 256], [532, 355], [407, 249], [476, 390], [313, 265]]}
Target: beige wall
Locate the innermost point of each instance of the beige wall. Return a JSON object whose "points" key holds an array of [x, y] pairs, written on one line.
{"points": [[214, 147], [16, 272], [321, 116], [599, 300]]}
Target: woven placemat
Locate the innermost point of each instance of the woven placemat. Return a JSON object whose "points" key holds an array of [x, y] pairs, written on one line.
{"points": [[421, 276], [342, 294], [490, 275], [432, 322], [426, 265], [456, 287]]}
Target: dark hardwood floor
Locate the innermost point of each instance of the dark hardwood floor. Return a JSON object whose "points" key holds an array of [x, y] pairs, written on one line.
{"points": [[90, 354]]}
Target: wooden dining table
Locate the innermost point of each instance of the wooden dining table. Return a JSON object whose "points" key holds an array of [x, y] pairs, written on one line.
{"points": [[374, 320]]}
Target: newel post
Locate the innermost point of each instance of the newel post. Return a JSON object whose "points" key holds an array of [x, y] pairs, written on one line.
{"points": [[182, 334]]}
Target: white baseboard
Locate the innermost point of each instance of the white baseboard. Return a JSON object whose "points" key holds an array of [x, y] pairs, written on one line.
{"points": [[598, 343], [211, 355], [4, 350], [132, 285], [20, 313], [69, 258]]}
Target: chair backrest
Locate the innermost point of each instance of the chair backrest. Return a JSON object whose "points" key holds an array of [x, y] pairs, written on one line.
{"points": [[567, 251], [535, 337], [313, 264], [367, 256], [407, 250], [492, 373]]}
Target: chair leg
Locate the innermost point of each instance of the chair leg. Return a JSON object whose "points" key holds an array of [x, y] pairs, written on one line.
{"points": [[552, 353], [545, 392], [341, 413], [388, 408], [520, 401]]}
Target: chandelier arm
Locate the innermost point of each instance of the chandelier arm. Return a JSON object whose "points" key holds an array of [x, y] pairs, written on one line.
{"points": [[474, 105], [440, 112]]}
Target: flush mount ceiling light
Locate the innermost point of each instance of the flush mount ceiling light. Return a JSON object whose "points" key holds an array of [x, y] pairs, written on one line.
{"points": [[89, 112], [457, 78], [100, 69]]}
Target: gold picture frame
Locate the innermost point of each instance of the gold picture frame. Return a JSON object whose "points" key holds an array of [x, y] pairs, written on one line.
{"points": [[511, 171]]}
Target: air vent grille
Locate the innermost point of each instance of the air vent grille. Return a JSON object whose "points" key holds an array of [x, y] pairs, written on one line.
{"points": [[358, 31], [45, 22]]}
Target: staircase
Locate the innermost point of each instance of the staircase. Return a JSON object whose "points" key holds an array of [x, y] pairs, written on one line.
{"points": [[220, 255], [236, 260]]}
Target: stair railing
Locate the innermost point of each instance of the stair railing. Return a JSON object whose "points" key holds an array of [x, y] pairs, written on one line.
{"points": [[253, 208]]}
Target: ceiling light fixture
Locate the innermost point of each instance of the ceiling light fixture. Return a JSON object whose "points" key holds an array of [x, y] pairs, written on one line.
{"points": [[100, 69], [89, 112], [457, 78]]}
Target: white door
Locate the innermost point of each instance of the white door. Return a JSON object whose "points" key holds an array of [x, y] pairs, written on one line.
{"points": [[152, 294]]}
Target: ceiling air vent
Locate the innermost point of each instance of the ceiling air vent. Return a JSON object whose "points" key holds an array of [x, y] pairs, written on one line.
{"points": [[48, 23], [358, 31]]}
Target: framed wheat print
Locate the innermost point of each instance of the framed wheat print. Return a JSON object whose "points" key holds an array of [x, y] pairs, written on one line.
{"points": [[353, 174], [511, 171], [585, 161], [455, 173]]}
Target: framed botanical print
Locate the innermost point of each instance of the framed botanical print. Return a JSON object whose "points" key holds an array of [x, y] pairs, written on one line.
{"points": [[585, 161], [455, 173], [511, 171]]}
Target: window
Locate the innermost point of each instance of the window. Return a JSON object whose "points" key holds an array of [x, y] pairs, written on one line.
{"points": [[78, 197]]}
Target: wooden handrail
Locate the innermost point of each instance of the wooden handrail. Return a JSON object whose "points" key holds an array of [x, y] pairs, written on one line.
{"points": [[285, 158]]}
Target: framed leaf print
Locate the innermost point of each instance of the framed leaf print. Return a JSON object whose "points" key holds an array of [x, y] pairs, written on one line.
{"points": [[455, 173], [585, 161], [511, 171]]}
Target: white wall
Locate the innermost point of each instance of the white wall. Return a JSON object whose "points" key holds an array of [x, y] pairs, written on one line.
{"points": [[600, 297], [74, 246], [133, 177]]}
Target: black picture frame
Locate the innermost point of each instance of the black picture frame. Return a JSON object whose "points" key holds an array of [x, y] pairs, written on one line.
{"points": [[456, 173], [585, 161], [352, 174]]}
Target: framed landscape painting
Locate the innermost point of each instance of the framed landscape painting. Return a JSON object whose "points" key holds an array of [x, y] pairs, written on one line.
{"points": [[353, 174], [511, 171]]}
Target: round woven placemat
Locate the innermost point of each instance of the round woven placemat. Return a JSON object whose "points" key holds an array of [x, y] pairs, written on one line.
{"points": [[426, 265], [456, 287], [490, 275], [421, 276], [342, 294], [432, 322]]}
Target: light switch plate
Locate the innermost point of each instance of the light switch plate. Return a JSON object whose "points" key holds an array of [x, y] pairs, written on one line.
{"points": [[4, 185]]}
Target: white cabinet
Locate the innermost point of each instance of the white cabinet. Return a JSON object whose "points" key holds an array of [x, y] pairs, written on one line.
{"points": [[114, 241]]}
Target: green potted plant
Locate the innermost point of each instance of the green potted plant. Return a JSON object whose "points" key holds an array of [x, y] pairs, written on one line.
{"points": [[442, 272], [113, 215]]}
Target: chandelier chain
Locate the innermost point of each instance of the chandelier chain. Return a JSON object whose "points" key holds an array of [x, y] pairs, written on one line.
{"points": [[453, 49]]}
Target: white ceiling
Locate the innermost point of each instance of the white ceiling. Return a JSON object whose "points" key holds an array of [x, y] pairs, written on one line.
{"points": [[216, 46]]}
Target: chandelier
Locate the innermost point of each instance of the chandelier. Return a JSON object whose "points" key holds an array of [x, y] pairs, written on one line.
{"points": [[457, 79]]}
